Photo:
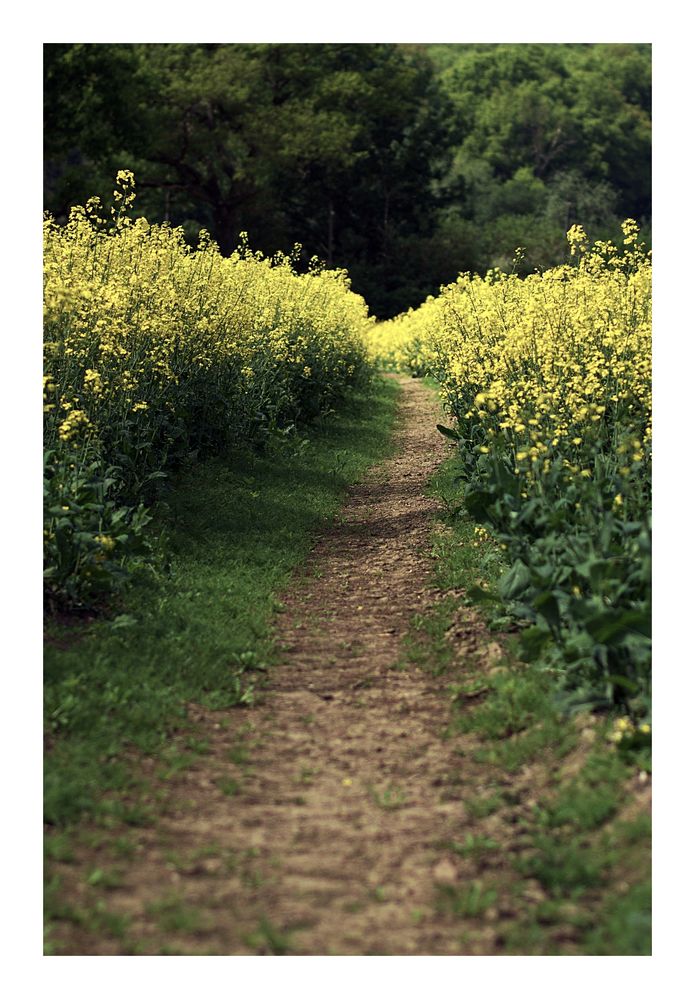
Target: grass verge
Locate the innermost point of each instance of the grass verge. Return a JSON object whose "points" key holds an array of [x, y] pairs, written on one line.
{"points": [[557, 859], [198, 630]]}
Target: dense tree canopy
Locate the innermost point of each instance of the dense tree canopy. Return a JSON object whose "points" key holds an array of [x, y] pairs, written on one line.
{"points": [[404, 163]]}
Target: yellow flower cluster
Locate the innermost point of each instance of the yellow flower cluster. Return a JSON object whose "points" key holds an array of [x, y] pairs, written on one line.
{"points": [[554, 365], [141, 329], [74, 423], [624, 727], [404, 343], [156, 352]]}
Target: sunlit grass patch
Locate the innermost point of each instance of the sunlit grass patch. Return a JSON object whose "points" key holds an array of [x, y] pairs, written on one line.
{"points": [[235, 528]]}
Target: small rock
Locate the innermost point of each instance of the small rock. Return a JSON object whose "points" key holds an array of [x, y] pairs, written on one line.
{"points": [[444, 873]]}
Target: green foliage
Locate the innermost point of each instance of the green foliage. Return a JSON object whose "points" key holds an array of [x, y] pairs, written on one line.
{"points": [[468, 902], [516, 701], [92, 542], [334, 146], [625, 925], [555, 108], [580, 573], [174, 915], [589, 800], [269, 939], [404, 163], [544, 136], [570, 510]]}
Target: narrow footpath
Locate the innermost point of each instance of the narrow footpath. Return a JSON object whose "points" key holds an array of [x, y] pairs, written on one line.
{"points": [[345, 796], [314, 822]]}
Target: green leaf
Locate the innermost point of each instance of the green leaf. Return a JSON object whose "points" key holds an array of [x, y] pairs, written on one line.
{"points": [[515, 582], [532, 641], [611, 626], [547, 606], [624, 682], [478, 502], [479, 594], [448, 432]]}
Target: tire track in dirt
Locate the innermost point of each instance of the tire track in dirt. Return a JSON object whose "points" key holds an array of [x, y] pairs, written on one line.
{"points": [[345, 785]]}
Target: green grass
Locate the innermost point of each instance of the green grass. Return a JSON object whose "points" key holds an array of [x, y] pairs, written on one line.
{"points": [[464, 562], [228, 786], [484, 805], [624, 927], [174, 915], [469, 901], [426, 645], [514, 701], [515, 717], [269, 939], [96, 918], [99, 877], [589, 800], [471, 846], [234, 527], [463, 559], [388, 798]]}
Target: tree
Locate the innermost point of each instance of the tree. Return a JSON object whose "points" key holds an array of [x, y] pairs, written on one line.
{"points": [[403, 163]]}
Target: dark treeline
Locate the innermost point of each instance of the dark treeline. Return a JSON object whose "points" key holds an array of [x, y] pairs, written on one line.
{"points": [[405, 164]]}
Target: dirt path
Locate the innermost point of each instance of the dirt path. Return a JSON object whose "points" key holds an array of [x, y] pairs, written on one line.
{"points": [[347, 790], [309, 826], [321, 819]]}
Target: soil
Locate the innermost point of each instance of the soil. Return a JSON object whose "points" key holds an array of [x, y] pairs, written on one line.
{"points": [[311, 826]]}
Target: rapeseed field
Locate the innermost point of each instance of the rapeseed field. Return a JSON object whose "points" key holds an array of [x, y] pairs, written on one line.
{"points": [[548, 378], [156, 352]]}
